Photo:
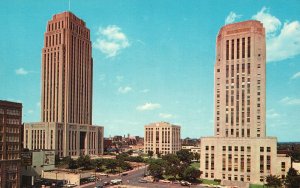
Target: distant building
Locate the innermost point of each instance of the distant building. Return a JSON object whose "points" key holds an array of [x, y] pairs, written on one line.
{"points": [[240, 151], [67, 85], [193, 149], [162, 138], [190, 142], [10, 143], [41, 160]]}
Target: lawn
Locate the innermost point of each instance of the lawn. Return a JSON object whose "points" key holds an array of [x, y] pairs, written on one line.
{"points": [[256, 186], [210, 182]]}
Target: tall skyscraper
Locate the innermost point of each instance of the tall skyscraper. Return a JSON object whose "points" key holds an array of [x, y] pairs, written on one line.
{"points": [[10, 143], [67, 71], [240, 150], [67, 86]]}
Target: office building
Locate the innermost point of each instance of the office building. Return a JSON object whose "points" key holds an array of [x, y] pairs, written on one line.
{"points": [[240, 150], [67, 86], [10, 143], [162, 138]]}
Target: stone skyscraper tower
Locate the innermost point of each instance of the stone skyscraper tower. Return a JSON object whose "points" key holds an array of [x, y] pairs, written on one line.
{"points": [[240, 152], [67, 71], [67, 86]]}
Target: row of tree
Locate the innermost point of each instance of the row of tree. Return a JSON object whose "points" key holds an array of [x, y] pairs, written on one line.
{"points": [[174, 165], [292, 180], [189, 155]]}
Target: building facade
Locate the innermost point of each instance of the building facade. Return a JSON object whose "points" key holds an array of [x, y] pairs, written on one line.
{"points": [[240, 150], [67, 86], [162, 138], [10, 143]]}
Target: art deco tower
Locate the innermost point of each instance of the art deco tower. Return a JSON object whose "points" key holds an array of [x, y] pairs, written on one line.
{"points": [[67, 71], [240, 152], [240, 71]]}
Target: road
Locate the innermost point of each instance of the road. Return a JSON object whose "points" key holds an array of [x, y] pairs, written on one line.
{"points": [[132, 180]]}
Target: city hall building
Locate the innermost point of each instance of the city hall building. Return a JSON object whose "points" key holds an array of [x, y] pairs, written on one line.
{"points": [[67, 86], [240, 150]]}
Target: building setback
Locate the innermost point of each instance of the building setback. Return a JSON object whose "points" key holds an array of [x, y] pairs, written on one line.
{"points": [[162, 138], [67, 85], [10, 143], [240, 150]]}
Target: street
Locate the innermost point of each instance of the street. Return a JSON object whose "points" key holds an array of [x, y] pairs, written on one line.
{"points": [[132, 180]]}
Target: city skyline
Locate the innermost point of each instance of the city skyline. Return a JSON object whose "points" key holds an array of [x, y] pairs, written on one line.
{"points": [[143, 61]]}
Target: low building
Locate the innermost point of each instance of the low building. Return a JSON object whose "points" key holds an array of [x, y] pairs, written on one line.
{"points": [[162, 138], [66, 139], [68, 176], [40, 160], [10, 143], [193, 149]]}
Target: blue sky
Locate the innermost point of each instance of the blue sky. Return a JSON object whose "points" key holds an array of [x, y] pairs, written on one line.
{"points": [[153, 60]]}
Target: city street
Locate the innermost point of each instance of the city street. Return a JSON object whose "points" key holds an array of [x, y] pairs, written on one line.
{"points": [[132, 180]]}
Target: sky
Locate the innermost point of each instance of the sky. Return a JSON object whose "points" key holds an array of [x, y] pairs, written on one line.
{"points": [[154, 60]]}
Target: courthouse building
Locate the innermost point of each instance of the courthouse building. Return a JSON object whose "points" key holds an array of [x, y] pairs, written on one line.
{"points": [[162, 138], [67, 86], [240, 149]]}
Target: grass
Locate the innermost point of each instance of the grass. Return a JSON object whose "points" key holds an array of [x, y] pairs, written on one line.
{"points": [[210, 182], [256, 186]]}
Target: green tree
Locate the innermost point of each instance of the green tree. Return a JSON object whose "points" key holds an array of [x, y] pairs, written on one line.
{"points": [[197, 156], [72, 163], [172, 165], [191, 173], [273, 181], [292, 179], [156, 169], [111, 164], [185, 156], [150, 153], [84, 161], [130, 152]]}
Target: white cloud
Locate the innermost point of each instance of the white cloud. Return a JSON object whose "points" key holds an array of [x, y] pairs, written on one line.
{"points": [[145, 91], [148, 106], [21, 71], [166, 116], [271, 114], [271, 23], [283, 42], [290, 101], [111, 40], [232, 17], [296, 75], [124, 89]]}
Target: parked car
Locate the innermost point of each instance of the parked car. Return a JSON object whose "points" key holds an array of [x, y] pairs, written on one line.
{"points": [[143, 181], [185, 183], [124, 174], [116, 181], [106, 183], [165, 181]]}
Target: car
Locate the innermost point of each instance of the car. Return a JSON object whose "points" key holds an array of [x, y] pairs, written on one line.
{"points": [[165, 181], [143, 181], [116, 181], [124, 174], [106, 183], [185, 183], [99, 186]]}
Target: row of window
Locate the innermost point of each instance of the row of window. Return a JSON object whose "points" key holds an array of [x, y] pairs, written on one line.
{"points": [[234, 45]]}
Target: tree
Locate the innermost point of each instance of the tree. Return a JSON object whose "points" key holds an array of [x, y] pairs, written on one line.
{"points": [[273, 181], [150, 153], [185, 156], [191, 173], [72, 163], [111, 164], [156, 168], [172, 165], [197, 156], [130, 152], [292, 179], [84, 161]]}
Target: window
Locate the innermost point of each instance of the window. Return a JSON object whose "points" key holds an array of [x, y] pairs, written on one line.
{"points": [[232, 49], [227, 49], [268, 149], [238, 49], [243, 47], [261, 149], [249, 47]]}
